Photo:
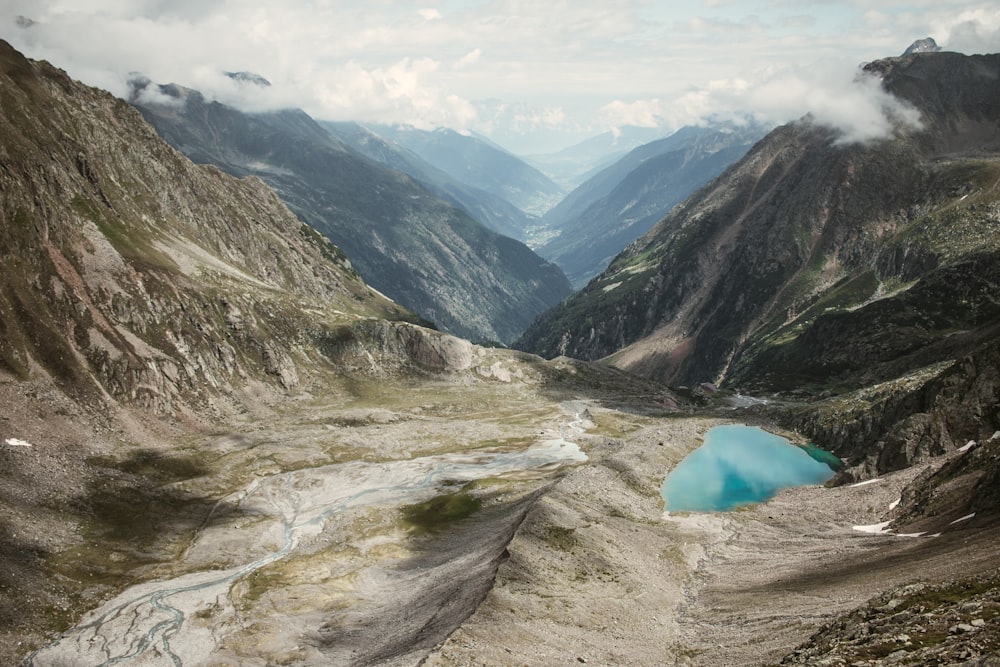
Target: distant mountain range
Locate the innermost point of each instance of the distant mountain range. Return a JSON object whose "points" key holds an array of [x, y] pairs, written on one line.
{"points": [[479, 163], [422, 251], [573, 165], [488, 208], [623, 201]]}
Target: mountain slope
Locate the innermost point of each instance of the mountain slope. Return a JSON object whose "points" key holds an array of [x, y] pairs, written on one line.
{"points": [[480, 164], [622, 202], [418, 249], [807, 239], [108, 231], [495, 212]]}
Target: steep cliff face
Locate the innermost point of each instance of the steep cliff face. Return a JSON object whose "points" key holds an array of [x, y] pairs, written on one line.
{"points": [[418, 249], [812, 260], [132, 275]]}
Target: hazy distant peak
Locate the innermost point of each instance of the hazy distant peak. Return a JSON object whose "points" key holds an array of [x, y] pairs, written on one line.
{"points": [[925, 45], [142, 90], [248, 77]]}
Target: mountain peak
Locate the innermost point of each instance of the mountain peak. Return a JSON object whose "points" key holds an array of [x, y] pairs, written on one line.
{"points": [[925, 45], [248, 77]]}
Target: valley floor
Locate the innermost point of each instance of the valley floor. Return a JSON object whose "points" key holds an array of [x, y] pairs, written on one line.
{"points": [[559, 562]]}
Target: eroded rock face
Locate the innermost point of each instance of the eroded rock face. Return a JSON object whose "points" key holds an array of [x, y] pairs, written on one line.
{"points": [[132, 275], [379, 346], [906, 421]]}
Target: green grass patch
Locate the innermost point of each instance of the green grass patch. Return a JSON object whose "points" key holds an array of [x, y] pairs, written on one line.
{"points": [[440, 512]]}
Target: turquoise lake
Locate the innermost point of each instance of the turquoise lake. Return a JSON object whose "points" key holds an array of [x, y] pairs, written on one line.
{"points": [[738, 465]]}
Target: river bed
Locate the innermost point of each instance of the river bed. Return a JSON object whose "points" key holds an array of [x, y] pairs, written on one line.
{"points": [[148, 624]]}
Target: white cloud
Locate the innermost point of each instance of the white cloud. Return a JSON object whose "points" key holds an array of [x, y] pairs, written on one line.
{"points": [[833, 93], [639, 113], [976, 31], [565, 66], [470, 58]]}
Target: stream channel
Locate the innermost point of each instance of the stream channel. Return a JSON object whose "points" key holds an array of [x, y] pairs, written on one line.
{"points": [[147, 623]]}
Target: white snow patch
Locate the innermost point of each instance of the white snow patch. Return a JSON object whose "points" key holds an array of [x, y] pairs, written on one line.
{"points": [[895, 503], [967, 446], [865, 483], [995, 436], [880, 529], [608, 288], [963, 518], [874, 529], [16, 442]]}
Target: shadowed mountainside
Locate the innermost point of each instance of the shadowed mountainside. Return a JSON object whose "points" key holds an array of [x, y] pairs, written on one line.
{"points": [[418, 249], [623, 201], [493, 211]]}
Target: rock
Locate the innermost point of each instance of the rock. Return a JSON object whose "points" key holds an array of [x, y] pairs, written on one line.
{"points": [[961, 628]]}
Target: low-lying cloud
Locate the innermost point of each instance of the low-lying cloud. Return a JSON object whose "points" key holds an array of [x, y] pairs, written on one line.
{"points": [[530, 75], [834, 94]]}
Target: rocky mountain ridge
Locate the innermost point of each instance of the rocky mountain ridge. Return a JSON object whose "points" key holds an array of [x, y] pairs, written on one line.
{"points": [[116, 248], [420, 250], [865, 273]]}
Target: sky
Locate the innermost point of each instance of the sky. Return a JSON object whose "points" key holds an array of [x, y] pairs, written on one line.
{"points": [[534, 76]]}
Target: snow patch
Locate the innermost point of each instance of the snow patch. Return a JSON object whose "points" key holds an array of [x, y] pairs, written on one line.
{"points": [[963, 518], [967, 446], [17, 442], [608, 288], [874, 529], [865, 483], [895, 503], [880, 529]]}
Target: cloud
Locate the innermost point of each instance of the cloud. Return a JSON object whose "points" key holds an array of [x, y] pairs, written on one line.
{"points": [[470, 58], [833, 93], [566, 66], [638, 113], [973, 32]]}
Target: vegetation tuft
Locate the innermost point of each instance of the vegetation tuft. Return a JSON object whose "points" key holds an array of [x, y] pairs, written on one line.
{"points": [[441, 511]]}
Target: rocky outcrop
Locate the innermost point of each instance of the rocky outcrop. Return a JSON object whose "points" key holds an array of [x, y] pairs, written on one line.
{"points": [[895, 424], [948, 623], [382, 347]]}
